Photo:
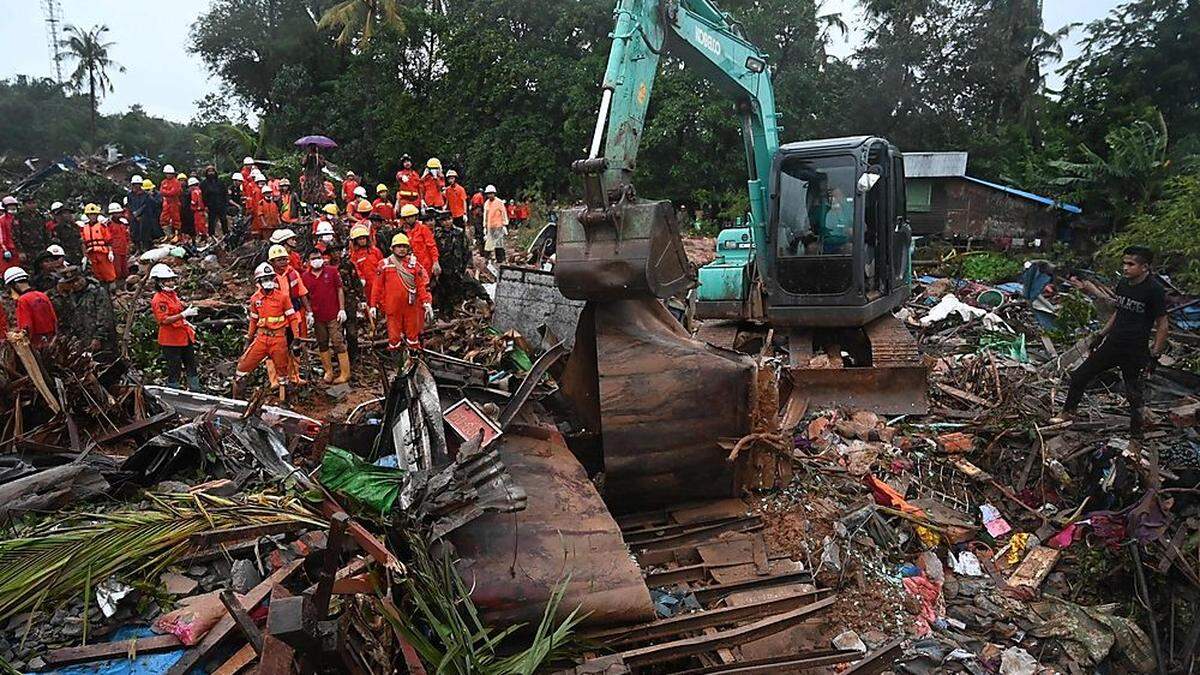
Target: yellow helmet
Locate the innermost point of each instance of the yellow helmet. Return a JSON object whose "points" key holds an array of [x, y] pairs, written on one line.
{"points": [[331, 209], [400, 239], [91, 210], [434, 163], [147, 184], [277, 251], [181, 176], [364, 206], [408, 210], [360, 231], [380, 188]]}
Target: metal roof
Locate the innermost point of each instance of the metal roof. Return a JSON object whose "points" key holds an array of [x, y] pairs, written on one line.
{"points": [[1069, 208], [935, 164]]}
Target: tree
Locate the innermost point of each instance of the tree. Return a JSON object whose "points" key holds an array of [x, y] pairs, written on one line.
{"points": [[361, 19], [90, 49], [1171, 226]]}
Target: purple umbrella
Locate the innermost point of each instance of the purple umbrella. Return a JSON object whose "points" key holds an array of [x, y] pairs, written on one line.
{"points": [[319, 141]]}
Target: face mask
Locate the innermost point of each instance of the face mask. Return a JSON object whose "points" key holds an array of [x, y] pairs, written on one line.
{"points": [[327, 238], [316, 263], [267, 285], [168, 287]]}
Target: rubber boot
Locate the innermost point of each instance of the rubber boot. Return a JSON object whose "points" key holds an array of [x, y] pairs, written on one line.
{"points": [[194, 383], [343, 367], [327, 365]]}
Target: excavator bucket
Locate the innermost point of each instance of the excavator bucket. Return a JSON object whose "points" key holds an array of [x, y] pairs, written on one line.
{"points": [[627, 250]]}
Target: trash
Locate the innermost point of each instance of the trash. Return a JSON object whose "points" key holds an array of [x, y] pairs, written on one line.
{"points": [[375, 489], [109, 594], [993, 521], [965, 563], [1017, 661], [950, 305], [193, 619]]}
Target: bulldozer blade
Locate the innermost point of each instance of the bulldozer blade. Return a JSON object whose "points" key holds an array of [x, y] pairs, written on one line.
{"points": [[627, 250], [890, 390]]}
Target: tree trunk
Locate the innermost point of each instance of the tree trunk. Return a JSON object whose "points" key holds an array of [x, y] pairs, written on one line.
{"points": [[92, 98]]}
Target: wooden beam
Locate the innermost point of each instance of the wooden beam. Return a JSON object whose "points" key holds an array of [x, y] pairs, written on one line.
{"points": [[240, 659], [108, 650]]}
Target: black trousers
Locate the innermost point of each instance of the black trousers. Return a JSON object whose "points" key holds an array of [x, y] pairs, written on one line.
{"points": [[1131, 361], [179, 359], [213, 218]]}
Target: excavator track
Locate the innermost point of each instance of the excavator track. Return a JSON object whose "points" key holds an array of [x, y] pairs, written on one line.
{"points": [[892, 345]]}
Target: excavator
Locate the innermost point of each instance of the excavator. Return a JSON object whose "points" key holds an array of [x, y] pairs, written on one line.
{"points": [[811, 280]]}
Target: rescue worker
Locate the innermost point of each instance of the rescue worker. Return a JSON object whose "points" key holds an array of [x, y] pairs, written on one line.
{"points": [[383, 204], [328, 302], [48, 268], [270, 312], [291, 242], [187, 222], [253, 191], [248, 169], [97, 245], [195, 202], [9, 257], [365, 257], [349, 186], [323, 238], [433, 184], [268, 206], [216, 202], [118, 235], [85, 313], [360, 193], [420, 240], [495, 224], [35, 312], [293, 287], [64, 232], [456, 199], [475, 213], [289, 204], [352, 295], [329, 214], [151, 212], [362, 210], [139, 207], [408, 184], [453, 286], [172, 193], [176, 337], [28, 233], [401, 292]]}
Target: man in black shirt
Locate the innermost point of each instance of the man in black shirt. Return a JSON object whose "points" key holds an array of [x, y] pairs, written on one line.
{"points": [[1141, 304]]}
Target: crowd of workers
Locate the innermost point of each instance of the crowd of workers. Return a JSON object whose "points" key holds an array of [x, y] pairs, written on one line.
{"points": [[332, 259]]}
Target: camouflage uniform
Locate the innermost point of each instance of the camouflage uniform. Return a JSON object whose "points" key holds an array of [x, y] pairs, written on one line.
{"points": [[454, 285], [69, 237], [86, 314], [352, 291]]}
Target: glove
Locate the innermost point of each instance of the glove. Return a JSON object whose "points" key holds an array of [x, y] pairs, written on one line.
{"points": [[372, 312], [83, 264], [8, 255], [429, 312], [189, 312], [1095, 342], [110, 256], [341, 317], [437, 268]]}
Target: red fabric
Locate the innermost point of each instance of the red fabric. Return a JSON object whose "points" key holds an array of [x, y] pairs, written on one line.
{"points": [[384, 208], [3, 324], [477, 200], [171, 190], [323, 292], [294, 260], [420, 239], [7, 244], [456, 200], [35, 316], [348, 186], [173, 330], [408, 184], [366, 262], [431, 190], [403, 306], [118, 232], [199, 211], [254, 200]]}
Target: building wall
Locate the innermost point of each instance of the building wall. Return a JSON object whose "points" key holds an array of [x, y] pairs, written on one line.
{"points": [[960, 209]]}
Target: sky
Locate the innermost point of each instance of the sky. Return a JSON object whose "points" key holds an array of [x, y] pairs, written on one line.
{"points": [[161, 75]]}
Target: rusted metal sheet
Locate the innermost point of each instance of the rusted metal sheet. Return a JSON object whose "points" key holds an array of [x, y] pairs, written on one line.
{"points": [[513, 561], [663, 400], [892, 391]]}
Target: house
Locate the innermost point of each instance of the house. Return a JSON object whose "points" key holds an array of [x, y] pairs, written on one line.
{"points": [[944, 201]]}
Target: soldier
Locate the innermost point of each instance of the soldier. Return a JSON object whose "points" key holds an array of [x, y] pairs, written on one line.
{"points": [[47, 269], [454, 285], [85, 312], [352, 290], [28, 231], [64, 232]]}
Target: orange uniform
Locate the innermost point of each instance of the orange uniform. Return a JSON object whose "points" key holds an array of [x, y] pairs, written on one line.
{"points": [[173, 330], [348, 187], [289, 207], [254, 199], [118, 236], [97, 246], [269, 316], [384, 208], [270, 216], [401, 291], [35, 316], [431, 190], [295, 260], [409, 187], [171, 190], [424, 248], [456, 200], [199, 210], [7, 242], [366, 262]]}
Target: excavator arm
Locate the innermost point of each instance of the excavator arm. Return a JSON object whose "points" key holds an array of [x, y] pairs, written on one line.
{"points": [[620, 246]]}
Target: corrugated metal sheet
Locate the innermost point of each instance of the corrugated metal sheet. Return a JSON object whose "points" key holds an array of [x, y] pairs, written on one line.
{"points": [[935, 164], [1069, 208]]}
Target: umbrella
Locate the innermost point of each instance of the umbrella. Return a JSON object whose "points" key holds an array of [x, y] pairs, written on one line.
{"points": [[319, 141]]}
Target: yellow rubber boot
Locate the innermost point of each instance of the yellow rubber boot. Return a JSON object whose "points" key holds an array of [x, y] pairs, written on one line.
{"points": [[327, 366], [344, 368]]}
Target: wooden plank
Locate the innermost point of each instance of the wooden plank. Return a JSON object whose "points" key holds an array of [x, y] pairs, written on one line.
{"points": [[244, 623], [218, 633], [237, 662], [278, 657], [108, 650], [1034, 568]]}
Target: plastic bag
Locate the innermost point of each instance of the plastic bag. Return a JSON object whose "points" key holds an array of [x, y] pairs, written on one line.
{"points": [[372, 487]]}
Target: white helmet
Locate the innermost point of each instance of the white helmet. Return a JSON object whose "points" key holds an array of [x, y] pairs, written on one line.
{"points": [[114, 207], [162, 271], [282, 235], [14, 274], [238, 177], [192, 180], [360, 191], [324, 227], [136, 178], [264, 270], [247, 161], [56, 206], [9, 201], [56, 250], [257, 176], [489, 190], [168, 169]]}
